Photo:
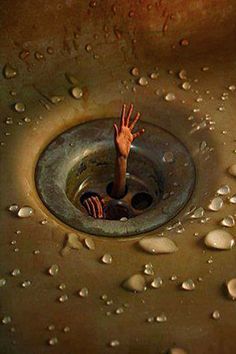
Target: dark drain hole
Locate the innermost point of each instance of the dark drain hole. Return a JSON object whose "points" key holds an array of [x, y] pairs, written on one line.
{"points": [[141, 201], [109, 190]]}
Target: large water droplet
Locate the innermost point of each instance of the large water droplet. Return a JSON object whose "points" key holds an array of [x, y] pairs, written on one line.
{"points": [[89, 243], [223, 190], [232, 170], [135, 71], [83, 292], [186, 85], [183, 74], [77, 92], [25, 212], [107, 258], [215, 315], [143, 81], [135, 283], [19, 107], [219, 239], [188, 285], [9, 71], [233, 199], [228, 221], [53, 270], [231, 287], [156, 283], [216, 204], [158, 245], [170, 97]]}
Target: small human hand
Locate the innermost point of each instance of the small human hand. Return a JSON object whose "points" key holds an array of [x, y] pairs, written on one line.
{"points": [[94, 206], [123, 135]]}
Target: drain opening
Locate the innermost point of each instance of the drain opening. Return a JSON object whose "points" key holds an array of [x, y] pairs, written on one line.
{"points": [[109, 190], [141, 201]]}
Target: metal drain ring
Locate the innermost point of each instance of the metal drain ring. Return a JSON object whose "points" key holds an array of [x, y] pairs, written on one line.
{"points": [[176, 178]]}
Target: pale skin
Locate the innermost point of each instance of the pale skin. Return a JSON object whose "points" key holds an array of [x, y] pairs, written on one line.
{"points": [[123, 138]]}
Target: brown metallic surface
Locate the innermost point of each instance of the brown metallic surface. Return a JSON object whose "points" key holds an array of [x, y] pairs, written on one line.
{"points": [[150, 38]]}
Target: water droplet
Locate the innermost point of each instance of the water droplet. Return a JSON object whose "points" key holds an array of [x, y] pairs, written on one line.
{"points": [[107, 258], [13, 208], [72, 242], [119, 311], [158, 245], [232, 87], [77, 92], [228, 221], [184, 42], [25, 212], [188, 285], [135, 71], [114, 343], [27, 120], [9, 71], [53, 341], [223, 190], [143, 81], [62, 286], [6, 320], [2, 282], [156, 283], [88, 48], [43, 222], [56, 99], [168, 157], [50, 50], [16, 272], [233, 199], [89, 243], [216, 204], [9, 120], [26, 284], [53, 270], [51, 327], [148, 269], [231, 287], [215, 315], [186, 85], [66, 329], [19, 107], [135, 283], [83, 292], [123, 218], [232, 170], [38, 56], [170, 97], [219, 239], [161, 318], [63, 298], [198, 213], [183, 74], [154, 76]]}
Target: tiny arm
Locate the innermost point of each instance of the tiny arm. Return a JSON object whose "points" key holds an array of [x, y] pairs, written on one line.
{"points": [[123, 138]]}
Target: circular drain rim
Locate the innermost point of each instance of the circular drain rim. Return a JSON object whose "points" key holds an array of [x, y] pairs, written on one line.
{"points": [[68, 148]]}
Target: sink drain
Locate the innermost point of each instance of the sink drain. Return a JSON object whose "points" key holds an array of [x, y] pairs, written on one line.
{"points": [[80, 163]]}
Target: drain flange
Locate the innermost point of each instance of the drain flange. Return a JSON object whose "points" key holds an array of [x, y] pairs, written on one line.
{"points": [[81, 160]]}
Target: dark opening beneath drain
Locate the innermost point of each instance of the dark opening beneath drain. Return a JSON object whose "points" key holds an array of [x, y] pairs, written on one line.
{"points": [[141, 201], [109, 190]]}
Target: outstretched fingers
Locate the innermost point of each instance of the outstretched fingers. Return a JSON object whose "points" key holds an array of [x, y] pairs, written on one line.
{"points": [[136, 135], [132, 125], [129, 114], [123, 115]]}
